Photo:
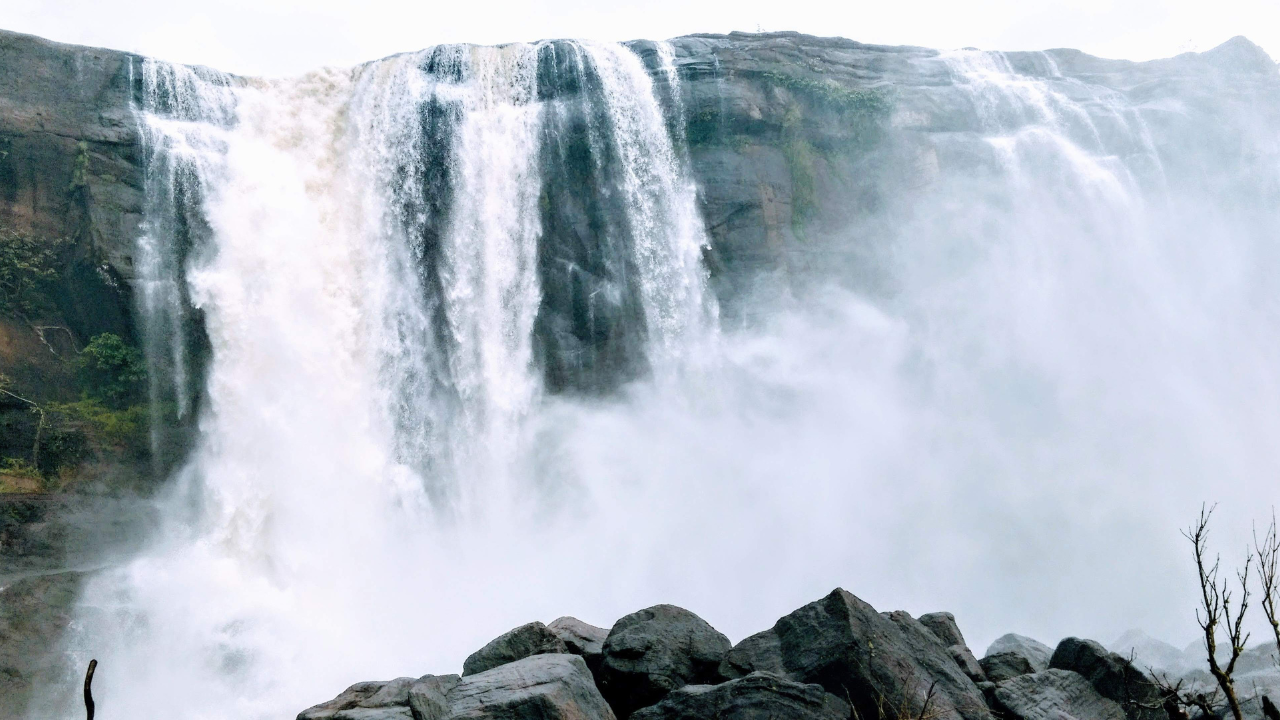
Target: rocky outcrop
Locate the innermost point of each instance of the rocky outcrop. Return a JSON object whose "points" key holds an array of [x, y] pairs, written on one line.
{"points": [[429, 696], [758, 696], [759, 652], [1001, 666], [1114, 677], [656, 650], [832, 659], [542, 687], [943, 626], [582, 639], [531, 639], [843, 644], [538, 687], [1054, 695], [1034, 653], [366, 701]]}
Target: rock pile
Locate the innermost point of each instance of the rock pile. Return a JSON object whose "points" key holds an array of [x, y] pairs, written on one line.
{"points": [[833, 659]]}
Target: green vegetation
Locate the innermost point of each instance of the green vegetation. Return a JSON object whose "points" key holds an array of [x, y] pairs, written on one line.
{"points": [[28, 267], [873, 102], [111, 372], [122, 428], [801, 162], [110, 421], [80, 171]]}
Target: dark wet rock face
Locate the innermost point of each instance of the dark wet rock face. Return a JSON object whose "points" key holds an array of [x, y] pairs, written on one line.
{"points": [[522, 642], [1054, 695], [542, 687], [1114, 677], [759, 652], [429, 696], [656, 650], [1035, 653], [758, 696], [943, 626], [34, 612], [366, 701], [843, 644], [590, 329], [967, 663], [1004, 665], [581, 639]]}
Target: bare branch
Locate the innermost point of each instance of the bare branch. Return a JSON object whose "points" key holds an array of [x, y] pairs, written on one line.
{"points": [[1268, 549], [1215, 609]]}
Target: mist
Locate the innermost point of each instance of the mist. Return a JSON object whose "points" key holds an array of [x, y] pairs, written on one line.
{"points": [[1002, 394]]}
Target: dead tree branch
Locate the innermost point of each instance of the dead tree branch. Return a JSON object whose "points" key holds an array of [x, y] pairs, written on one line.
{"points": [[88, 689], [1215, 609], [1268, 549]]}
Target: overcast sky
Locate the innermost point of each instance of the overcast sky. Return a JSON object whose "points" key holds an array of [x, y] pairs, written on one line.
{"points": [[279, 37]]}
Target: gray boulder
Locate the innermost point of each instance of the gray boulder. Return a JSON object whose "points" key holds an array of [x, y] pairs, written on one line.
{"points": [[943, 624], [969, 664], [539, 687], [1054, 695], [531, 639], [758, 696], [654, 651], [582, 639], [366, 701], [1004, 665], [1035, 652], [428, 698], [843, 644], [759, 652], [1114, 677]]}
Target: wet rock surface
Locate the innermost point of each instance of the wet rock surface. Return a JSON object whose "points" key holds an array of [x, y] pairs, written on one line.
{"points": [[843, 644], [580, 638], [758, 696], [1054, 695], [1114, 677], [531, 639], [1033, 653], [34, 613], [656, 650]]}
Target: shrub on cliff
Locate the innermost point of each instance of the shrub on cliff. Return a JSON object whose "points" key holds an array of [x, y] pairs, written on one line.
{"points": [[111, 372], [28, 265]]}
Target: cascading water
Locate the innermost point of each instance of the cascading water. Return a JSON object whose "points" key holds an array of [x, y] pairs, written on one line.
{"points": [[360, 248], [418, 302]]}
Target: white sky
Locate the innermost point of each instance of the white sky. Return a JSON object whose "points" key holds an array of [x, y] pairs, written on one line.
{"points": [[280, 37]]}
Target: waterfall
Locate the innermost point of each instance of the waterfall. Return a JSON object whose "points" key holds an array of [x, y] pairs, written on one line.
{"points": [[437, 337], [340, 279]]}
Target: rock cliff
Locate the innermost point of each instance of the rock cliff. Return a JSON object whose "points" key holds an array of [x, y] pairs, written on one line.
{"points": [[809, 154]]}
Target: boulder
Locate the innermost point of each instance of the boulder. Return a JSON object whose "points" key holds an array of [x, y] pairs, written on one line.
{"points": [[366, 701], [531, 639], [656, 650], [428, 698], [877, 662], [1053, 695], [943, 624], [1114, 677], [581, 639], [969, 664], [1004, 665], [759, 652], [539, 687], [758, 696], [1035, 652]]}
